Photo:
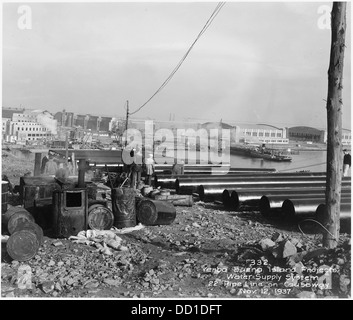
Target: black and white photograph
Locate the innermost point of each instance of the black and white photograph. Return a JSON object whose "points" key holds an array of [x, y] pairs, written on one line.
{"points": [[191, 152]]}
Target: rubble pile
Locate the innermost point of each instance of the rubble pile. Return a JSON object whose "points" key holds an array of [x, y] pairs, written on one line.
{"points": [[206, 252]]}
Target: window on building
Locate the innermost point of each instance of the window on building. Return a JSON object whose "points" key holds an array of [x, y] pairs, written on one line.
{"points": [[267, 134], [279, 134], [273, 134], [254, 134], [248, 133], [261, 134]]}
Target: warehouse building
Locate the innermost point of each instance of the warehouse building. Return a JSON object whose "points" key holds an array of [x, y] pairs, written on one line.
{"points": [[260, 133]]}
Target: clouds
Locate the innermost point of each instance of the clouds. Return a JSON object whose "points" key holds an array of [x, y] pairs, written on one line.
{"points": [[264, 61]]}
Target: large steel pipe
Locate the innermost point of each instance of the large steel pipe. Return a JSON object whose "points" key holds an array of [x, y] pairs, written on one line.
{"points": [[229, 179], [193, 168], [304, 207], [162, 179], [167, 181], [211, 167], [240, 193], [188, 183], [217, 188], [239, 196], [268, 203], [227, 192], [239, 176], [226, 198], [345, 211]]}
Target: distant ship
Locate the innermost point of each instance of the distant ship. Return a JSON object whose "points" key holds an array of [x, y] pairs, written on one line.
{"points": [[267, 155], [261, 153]]}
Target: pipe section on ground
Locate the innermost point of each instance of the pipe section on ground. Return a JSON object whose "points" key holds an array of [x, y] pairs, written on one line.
{"points": [[216, 190], [190, 185], [210, 167], [304, 207], [267, 203], [321, 212], [167, 181]]}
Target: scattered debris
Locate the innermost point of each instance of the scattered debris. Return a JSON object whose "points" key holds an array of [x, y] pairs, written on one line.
{"points": [[205, 252], [58, 243]]}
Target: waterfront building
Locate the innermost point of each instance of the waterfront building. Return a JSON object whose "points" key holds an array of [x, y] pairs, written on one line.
{"points": [[27, 125], [314, 135], [307, 134], [260, 133]]}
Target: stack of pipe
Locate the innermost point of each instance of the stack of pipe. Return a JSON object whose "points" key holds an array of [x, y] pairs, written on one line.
{"points": [[214, 186], [208, 168], [304, 192], [166, 180], [297, 202], [293, 193], [251, 188], [302, 208]]}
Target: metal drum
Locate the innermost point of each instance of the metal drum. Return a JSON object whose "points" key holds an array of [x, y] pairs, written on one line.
{"points": [[13, 217], [155, 212], [70, 209], [32, 226], [123, 205], [100, 217], [25, 241]]}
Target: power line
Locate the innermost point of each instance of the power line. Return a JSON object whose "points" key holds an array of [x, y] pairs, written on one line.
{"points": [[205, 27]]}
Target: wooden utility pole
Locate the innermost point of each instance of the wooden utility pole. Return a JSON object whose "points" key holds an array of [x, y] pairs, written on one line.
{"points": [[334, 126], [127, 120], [66, 149]]}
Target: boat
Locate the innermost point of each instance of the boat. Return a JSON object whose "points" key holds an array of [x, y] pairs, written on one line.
{"points": [[268, 155]]}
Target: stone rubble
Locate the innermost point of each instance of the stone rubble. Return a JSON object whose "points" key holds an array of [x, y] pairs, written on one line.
{"points": [[201, 254]]}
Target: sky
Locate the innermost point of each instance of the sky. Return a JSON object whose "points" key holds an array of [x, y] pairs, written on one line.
{"points": [[263, 62]]}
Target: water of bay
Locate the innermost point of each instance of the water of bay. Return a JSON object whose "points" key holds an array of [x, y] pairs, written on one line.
{"points": [[314, 161]]}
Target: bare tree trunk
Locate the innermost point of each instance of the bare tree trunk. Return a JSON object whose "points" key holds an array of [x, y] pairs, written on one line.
{"points": [[334, 125]]}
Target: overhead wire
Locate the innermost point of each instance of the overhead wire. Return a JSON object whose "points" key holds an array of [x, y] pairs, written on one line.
{"points": [[205, 27]]}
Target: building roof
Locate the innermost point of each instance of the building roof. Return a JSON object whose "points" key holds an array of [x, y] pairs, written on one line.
{"points": [[8, 112], [259, 126], [305, 130], [217, 125]]}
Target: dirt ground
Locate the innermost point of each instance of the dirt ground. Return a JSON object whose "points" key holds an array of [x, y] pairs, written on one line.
{"points": [[14, 167], [206, 252], [202, 254]]}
